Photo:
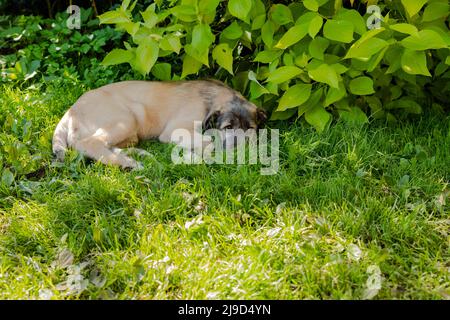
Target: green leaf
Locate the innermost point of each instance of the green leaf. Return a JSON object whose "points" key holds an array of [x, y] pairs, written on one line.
{"points": [[404, 28], [240, 8], [149, 16], [233, 31], [223, 54], [283, 74], [354, 115], [117, 56], [311, 5], [435, 10], [268, 56], [293, 35], [294, 96], [202, 38], [185, 13], [361, 86], [424, 40], [326, 74], [112, 17], [354, 17], [281, 14], [407, 104], [318, 117], [365, 49], [170, 43], [315, 25], [375, 60], [412, 7], [190, 66], [283, 115], [146, 56], [341, 31], [415, 62], [335, 94], [267, 31], [258, 22], [7, 177], [313, 101], [317, 47], [162, 71]]}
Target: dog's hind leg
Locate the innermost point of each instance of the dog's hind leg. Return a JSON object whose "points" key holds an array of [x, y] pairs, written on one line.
{"points": [[95, 148]]}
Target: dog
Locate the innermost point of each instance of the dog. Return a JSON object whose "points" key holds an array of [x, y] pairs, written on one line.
{"points": [[105, 120]]}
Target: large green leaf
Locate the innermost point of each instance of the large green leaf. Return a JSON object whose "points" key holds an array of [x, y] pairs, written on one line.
{"points": [[415, 62], [404, 28], [202, 38], [318, 117], [223, 54], [341, 31], [146, 55], [281, 14], [162, 71], [170, 43], [353, 115], [335, 94], [435, 10], [326, 74], [365, 49], [110, 17], [117, 56], [317, 47], [267, 31], [185, 13], [233, 31], [283, 74], [268, 56], [311, 5], [361, 86], [294, 96], [240, 8], [406, 104], [354, 17], [190, 66], [315, 25], [412, 7], [293, 35], [424, 40]]}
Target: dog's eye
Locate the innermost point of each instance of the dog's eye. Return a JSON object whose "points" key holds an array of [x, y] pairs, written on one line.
{"points": [[228, 126]]}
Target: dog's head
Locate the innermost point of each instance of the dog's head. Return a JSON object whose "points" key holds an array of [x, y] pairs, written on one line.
{"points": [[235, 113]]}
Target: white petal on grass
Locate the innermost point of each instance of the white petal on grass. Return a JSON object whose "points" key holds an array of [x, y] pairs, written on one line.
{"points": [[45, 294], [280, 208], [373, 283], [212, 295], [273, 232], [354, 252], [65, 258]]}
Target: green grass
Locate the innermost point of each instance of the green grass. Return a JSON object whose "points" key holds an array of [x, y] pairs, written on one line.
{"points": [[344, 203]]}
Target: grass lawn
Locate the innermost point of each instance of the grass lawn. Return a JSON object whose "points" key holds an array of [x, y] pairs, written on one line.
{"points": [[353, 213]]}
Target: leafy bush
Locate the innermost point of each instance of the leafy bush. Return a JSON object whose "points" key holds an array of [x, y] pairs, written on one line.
{"points": [[31, 46], [311, 58]]}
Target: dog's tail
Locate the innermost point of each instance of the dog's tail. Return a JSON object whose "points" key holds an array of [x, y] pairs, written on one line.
{"points": [[59, 142]]}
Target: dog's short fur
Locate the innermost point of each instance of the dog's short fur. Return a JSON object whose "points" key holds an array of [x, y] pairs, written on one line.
{"points": [[118, 115]]}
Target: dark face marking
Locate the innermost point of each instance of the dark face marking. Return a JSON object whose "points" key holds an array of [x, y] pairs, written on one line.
{"points": [[238, 113]]}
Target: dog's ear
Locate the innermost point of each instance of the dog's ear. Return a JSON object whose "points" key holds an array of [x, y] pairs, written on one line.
{"points": [[211, 120], [261, 116]]}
